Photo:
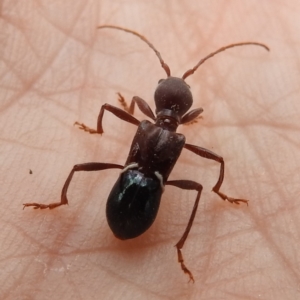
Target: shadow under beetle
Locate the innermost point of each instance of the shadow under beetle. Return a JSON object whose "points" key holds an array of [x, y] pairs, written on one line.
{"points": [[133, 203]]}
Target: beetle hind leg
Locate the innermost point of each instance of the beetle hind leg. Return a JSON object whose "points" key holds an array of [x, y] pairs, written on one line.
{"points": [[187, 185]]}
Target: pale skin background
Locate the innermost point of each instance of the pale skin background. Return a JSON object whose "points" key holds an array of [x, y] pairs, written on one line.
{"points": [[56, 68]]}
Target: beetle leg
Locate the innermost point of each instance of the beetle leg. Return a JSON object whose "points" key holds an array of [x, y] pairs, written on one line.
{"points": [[141, 103], [121, 114], [85, 128], [81, 167], [123, 102], [187, 185], [211, 155], [192, 116]]}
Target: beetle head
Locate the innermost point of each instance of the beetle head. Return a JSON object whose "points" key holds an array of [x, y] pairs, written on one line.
{"points": [[173, 94]]}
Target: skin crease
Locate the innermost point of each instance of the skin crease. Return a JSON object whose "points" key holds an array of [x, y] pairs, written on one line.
{"points": [[57, 69]]}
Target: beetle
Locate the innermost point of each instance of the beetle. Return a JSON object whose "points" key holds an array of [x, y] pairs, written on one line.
{"points": [[134, 200]]}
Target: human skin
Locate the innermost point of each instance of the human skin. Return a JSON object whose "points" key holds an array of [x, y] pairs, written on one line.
{"points": [[58, 69]]}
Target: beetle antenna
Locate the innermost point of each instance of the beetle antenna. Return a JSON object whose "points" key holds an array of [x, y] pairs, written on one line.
{"points": [[191, 71], [163, 64]]}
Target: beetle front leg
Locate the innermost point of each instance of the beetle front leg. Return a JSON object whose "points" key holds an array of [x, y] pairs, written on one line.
{"points": [[141, 103], [76, 168], [121, 114], [187, 185], [210, 155]]}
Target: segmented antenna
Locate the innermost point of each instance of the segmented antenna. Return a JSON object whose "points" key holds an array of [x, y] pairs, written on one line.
{"points": [[191, 71], [163, 64]]}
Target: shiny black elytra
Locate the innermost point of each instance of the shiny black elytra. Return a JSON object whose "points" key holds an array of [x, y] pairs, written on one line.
{"points": [[134, 201]]}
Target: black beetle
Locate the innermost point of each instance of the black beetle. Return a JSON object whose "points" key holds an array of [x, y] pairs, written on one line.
{"points": [[134, 201]]}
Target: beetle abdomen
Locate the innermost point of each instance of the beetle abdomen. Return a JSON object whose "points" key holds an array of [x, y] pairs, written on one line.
{"points": [[132, 204]]}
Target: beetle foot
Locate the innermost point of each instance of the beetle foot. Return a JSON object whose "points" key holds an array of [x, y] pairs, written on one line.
{"points": [[193, 121], [231, 200], [42, 206], [187, 271], [123, 102], [85, 128], [183, 267]]}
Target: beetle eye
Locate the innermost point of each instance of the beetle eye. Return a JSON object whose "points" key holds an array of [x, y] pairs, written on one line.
{"points": [[160, 81]]}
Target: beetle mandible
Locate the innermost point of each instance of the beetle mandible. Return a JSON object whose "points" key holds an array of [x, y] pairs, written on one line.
{"points": [[134, 201]]}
